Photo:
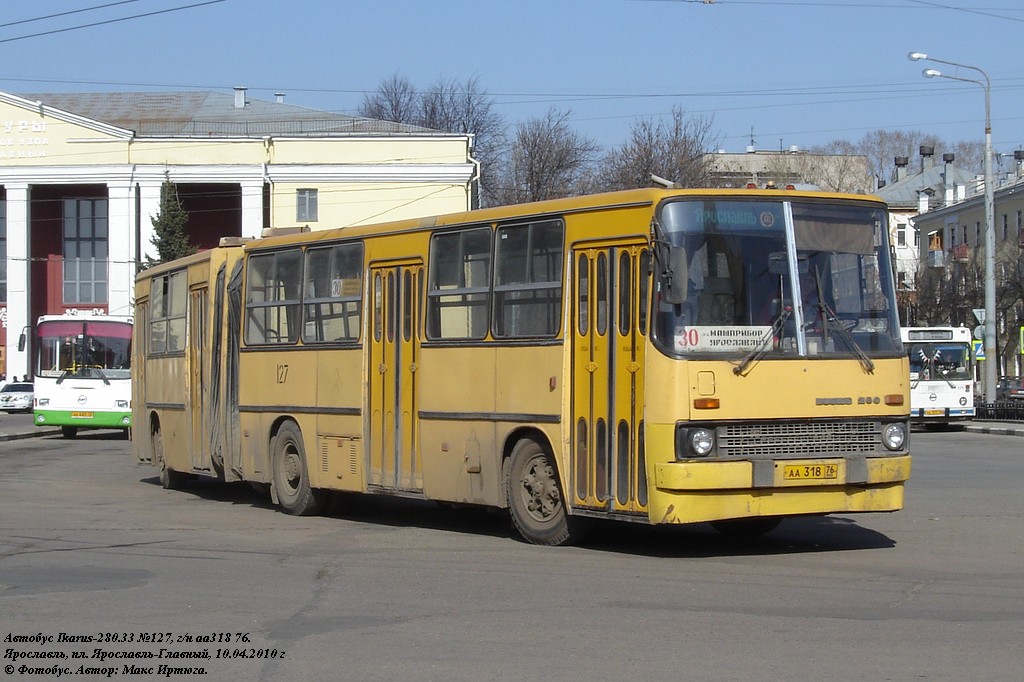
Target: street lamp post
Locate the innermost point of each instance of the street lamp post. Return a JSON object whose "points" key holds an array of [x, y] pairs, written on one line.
{"points": [[991, 359]]}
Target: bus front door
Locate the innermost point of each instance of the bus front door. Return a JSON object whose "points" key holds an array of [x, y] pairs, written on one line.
{"points": [[609, 323], [394, 349]]}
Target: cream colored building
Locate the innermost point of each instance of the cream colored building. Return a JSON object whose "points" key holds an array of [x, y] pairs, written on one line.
{"points": [[80, 179]]}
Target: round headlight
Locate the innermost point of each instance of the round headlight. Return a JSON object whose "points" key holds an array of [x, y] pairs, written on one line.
{"points": [[702, 441], [894, 435]]}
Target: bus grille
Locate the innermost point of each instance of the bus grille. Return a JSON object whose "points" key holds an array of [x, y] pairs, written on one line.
{"points": [[799, 439]]}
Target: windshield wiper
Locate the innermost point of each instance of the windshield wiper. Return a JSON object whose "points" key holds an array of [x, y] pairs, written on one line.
{"points": [[832, 321], [761, 349]]}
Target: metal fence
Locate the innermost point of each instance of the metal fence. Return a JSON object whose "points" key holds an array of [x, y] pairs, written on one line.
{"points": [[1001, 410]]}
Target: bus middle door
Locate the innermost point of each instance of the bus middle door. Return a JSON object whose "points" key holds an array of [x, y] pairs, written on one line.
{"points": [[394, 353]]}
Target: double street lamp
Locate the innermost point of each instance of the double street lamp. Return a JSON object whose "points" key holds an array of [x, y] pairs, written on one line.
{"points": [[991, 359]]}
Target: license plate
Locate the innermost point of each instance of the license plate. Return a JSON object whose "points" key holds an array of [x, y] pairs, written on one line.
{"points": [[81, 415], [810, 472], [936, 413]]}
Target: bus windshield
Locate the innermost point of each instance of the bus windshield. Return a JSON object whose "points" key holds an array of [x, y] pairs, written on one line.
{"points": [[774, 277], [84, 350], [934, 361]]}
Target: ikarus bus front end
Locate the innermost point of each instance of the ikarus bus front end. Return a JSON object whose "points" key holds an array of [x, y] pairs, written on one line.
{"points": [[777, 384], [83, 372]]}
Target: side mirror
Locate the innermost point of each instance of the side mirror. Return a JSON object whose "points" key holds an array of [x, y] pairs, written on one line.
{"points": [[21, 342]]}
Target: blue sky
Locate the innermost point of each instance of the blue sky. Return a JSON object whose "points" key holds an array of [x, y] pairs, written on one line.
{"points": [[786, 72]]}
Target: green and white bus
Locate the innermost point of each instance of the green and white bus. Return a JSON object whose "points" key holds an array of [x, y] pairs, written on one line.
{"points": [[83, 375]]}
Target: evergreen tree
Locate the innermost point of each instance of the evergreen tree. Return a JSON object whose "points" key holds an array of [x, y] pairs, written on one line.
{"points": [[169, 235]]}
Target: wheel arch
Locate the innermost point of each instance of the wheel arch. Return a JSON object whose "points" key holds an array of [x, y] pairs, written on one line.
{"points": [[146, 453]]}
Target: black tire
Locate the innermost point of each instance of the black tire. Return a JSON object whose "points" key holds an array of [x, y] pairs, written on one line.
{"points": [[69, 431], [291, 477], [169, 478], [534, 495], [747, 528]]}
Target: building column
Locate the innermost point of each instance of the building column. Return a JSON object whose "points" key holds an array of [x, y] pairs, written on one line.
{"points": [[19, 287], [252, 208], [120, 248], [149, 208]]}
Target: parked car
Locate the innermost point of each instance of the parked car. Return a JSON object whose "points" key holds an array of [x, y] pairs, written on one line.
{"points": [[17, 397], [1010, 388]]}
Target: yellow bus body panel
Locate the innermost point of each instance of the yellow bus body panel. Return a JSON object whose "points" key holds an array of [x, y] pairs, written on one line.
{"points": [[783, 391]]}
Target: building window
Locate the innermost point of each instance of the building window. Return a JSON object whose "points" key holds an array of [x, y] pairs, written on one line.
{"points": [[306, 206], [1006, 226], [85, 251], [901, 237]]}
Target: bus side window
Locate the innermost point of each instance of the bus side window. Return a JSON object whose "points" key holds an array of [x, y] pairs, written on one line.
{"points": [[272, 297], [528, 280], [460, 275]]}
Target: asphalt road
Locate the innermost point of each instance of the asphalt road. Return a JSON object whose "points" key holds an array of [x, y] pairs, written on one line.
{"points": [[404, 590]]}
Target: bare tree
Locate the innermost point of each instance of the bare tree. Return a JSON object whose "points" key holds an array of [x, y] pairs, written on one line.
{"points": [[394, 100], [467, 108], [674, 150], [883, 146], [546, 159], [461, 108], [449, 106], [970, 155]]}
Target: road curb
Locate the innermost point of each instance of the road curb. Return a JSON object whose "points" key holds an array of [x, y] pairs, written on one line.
{"points": [[21, 435], [996, 430]]}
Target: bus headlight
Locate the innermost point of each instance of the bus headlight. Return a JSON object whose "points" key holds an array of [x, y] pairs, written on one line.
{"points": [[694, 442], [42, 402], [894, 435], [122, 404]]}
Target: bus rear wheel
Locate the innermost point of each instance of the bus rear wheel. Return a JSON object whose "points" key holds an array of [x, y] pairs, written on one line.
{"points": [[291, 477], [534, 496], [169, 478]]}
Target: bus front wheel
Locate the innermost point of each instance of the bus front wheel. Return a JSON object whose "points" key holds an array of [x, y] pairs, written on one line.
{"points": [[534, 496], [69, 431], [291, 477]]}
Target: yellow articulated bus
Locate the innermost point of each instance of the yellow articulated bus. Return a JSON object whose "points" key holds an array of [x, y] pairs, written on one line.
{"points": [[660, 356]]}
